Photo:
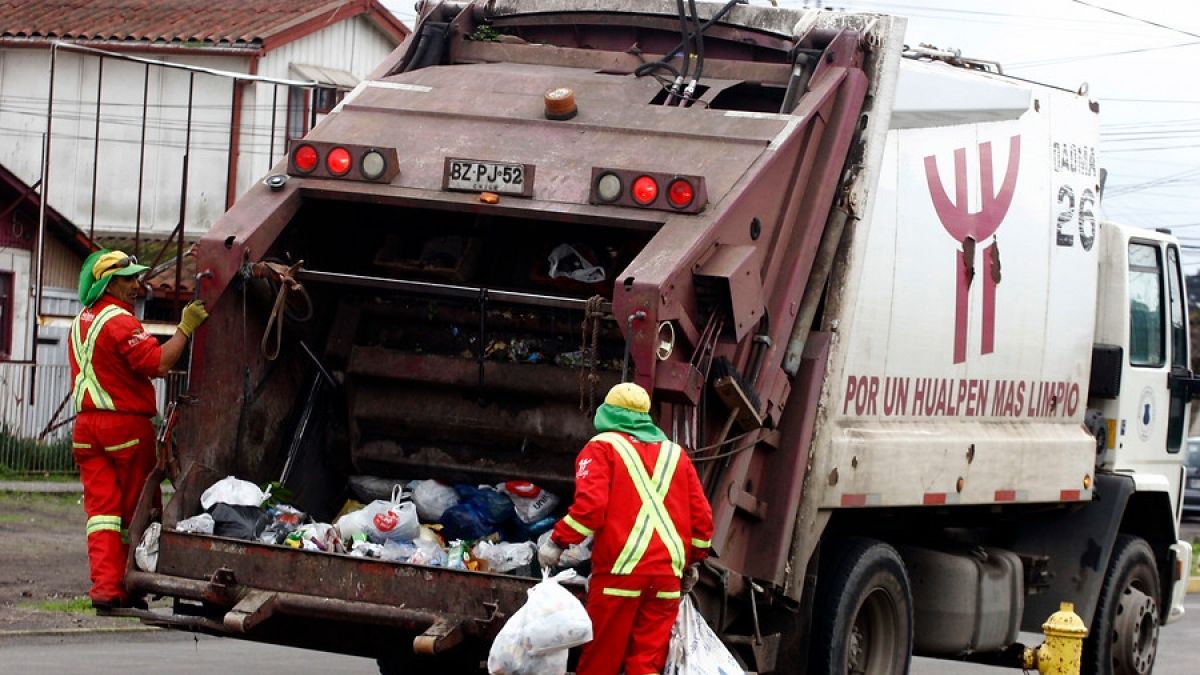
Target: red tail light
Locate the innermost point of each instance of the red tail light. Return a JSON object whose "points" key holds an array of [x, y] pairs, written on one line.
{"points": [[305, 158], [680, 193], [338, 161], [645, 190]]}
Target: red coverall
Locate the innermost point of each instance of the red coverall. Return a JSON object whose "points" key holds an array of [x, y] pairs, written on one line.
{"points": [[644, 504], [112, 361]]}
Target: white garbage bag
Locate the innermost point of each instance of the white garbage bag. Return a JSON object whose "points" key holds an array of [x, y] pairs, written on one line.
{"points": [[531, 502], [536, 638], [201, 524], [505, 557], [232, 491], [695, 649], [567, 262], [432, 499], [146, 554], [381, 521]]}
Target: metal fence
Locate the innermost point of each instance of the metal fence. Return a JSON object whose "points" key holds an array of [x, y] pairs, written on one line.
{"points": [[36, 416]]}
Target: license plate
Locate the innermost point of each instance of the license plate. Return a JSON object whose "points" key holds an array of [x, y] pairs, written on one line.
{"points": [[506, 178]]}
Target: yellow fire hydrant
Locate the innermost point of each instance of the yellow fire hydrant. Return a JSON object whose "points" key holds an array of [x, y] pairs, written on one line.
{"points": [[1062, 651]]}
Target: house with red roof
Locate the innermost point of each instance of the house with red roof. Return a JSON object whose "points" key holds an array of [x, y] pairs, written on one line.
{"points": [[138, 142], [139, 122], [162, 113]]}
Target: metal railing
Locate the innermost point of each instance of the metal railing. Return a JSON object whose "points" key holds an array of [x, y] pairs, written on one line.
{"points": [[36, 416]]}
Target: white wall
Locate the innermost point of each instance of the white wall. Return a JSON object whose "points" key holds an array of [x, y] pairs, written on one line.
{"points": [[17, 261], [23, 87], [354, 46]]}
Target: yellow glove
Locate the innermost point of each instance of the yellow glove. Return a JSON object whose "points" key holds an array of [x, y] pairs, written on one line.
{"points": [[194, 314]]}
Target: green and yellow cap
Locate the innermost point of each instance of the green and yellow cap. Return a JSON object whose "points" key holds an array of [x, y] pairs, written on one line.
{"points": [[101, 266]]}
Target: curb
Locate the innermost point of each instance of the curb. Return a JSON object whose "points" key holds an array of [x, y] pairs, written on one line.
{"points": [[53, 632], [42, 487]]}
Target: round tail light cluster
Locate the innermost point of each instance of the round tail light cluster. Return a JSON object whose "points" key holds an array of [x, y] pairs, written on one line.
{"points": [[666, 192], [329, 160]]}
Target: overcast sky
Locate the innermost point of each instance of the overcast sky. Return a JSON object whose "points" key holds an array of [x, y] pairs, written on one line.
{"points": [[1144, 76]]}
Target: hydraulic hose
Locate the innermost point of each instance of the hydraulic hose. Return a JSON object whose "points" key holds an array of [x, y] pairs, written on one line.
{"points": [[698, 37], [687, 53]]}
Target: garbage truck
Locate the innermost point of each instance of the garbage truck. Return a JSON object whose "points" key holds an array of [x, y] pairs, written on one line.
{"points": [[930, 391]]}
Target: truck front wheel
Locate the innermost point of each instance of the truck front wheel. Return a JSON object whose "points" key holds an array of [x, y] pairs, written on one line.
{"points": [[1123, 637], [862, 619]]}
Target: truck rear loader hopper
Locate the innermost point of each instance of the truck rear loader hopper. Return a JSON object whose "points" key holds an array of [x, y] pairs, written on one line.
{"points": [[431, 340]]}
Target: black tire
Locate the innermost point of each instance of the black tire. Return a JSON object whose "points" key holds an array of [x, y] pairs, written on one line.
{"points": [[1123, 637], [862, 615]]}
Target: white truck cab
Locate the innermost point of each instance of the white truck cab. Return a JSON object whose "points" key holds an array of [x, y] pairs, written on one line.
{"points": [[1141, 374]]}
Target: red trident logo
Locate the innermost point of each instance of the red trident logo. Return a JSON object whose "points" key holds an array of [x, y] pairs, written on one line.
{"points": [[971, 228]]}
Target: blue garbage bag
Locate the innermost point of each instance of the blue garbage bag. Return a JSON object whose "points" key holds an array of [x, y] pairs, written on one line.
{"points": [[497, 506], [466, 520]]}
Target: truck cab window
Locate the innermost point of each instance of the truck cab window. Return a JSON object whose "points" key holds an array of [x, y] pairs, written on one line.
{"points": [[1179, 333], [1146, 347], [1177, 413]]}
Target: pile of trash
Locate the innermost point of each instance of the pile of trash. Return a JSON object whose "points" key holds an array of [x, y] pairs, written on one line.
{"points": [[489, 528]]}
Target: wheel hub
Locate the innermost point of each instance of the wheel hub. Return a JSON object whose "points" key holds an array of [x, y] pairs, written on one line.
{"points": [[1135, 633]]}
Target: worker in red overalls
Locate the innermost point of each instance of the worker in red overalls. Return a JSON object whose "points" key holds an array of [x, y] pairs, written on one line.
{"points": [[638, 494], [112, 361]]}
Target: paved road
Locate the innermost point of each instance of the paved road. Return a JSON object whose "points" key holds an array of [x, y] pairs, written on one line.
{"points": [[1178, 650], [184, 654]]}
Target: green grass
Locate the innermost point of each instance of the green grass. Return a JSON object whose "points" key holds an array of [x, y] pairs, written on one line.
{"points": [[1196, 558], [77, 605]]}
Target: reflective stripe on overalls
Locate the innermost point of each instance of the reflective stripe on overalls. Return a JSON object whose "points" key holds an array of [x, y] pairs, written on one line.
{"points": [[85, 381], [653, 516]]}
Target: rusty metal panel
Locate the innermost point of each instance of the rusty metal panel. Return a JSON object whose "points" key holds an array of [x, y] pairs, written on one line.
{"points": [[464, 374], [438, 591], [437, 106], [736, 270], [617, 62], [679, 382]]}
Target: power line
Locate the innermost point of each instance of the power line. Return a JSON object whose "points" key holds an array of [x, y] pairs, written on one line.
{"points": [[1116, 99], [1071, 59], [1138, 19], [1153, 148]]}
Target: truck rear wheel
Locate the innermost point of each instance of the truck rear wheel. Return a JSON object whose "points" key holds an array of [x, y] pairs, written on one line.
{"points": [[862, 620], [1123, 637]]}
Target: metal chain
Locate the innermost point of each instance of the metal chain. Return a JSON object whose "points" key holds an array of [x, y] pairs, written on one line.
{"points": [[588, 379]]}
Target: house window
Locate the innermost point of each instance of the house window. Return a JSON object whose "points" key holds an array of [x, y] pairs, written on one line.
{"points": [[327, 98], [329, 87], [6, 315], [297, 117]]}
